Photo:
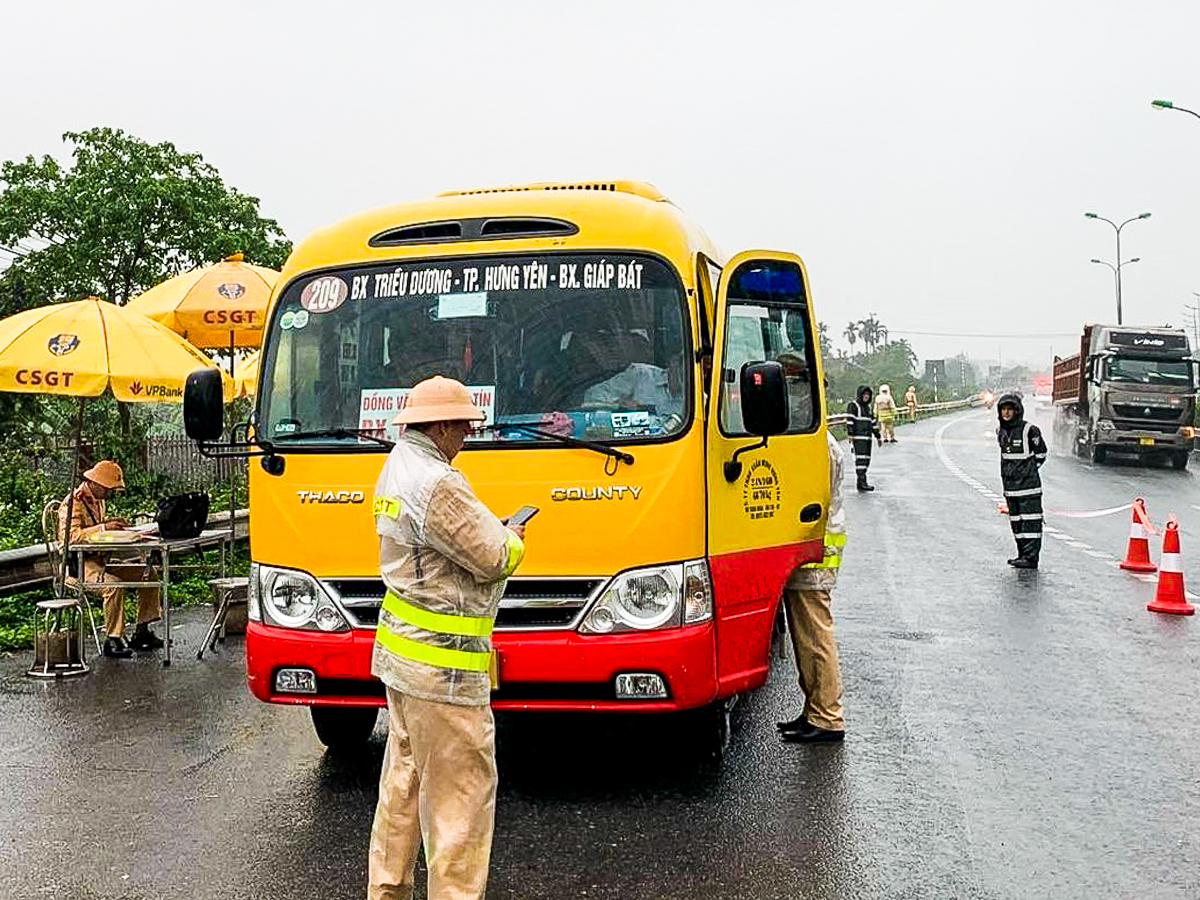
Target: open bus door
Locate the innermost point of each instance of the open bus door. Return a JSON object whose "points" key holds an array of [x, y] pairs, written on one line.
{"points": [[770, 518]]}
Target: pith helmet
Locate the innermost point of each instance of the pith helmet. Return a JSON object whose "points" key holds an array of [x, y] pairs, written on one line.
{"points": [[439, 399], [106, 473]]}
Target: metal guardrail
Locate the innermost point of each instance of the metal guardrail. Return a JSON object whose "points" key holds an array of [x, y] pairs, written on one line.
{"points": [[25, 568], [902, 414]]}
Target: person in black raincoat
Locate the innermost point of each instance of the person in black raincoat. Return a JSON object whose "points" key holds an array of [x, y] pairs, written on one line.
{"points": [[860, 429], [1022, 452]]}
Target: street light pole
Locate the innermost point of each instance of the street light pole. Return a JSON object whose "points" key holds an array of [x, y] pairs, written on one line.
{"points": [[1117, 269], [1167, 104]]}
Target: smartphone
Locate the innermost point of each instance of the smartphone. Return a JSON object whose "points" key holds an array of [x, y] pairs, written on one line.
{"points": [[522, 515]]}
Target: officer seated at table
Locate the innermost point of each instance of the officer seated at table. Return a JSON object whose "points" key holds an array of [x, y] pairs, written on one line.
{"points": [[88, 519]]}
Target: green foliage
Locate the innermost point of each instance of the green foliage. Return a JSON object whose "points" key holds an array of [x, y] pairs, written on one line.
{"points": [[892, 363], [123, 217]]}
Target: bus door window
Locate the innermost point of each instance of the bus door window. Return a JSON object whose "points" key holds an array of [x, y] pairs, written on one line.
{"points": [[766, 319]]}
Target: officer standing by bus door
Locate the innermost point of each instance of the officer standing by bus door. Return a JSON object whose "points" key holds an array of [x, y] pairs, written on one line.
{"points": [[444, 558], [810, 624]]}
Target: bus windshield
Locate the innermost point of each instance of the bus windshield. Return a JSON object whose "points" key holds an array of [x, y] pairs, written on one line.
{"points": [[584, 345]]}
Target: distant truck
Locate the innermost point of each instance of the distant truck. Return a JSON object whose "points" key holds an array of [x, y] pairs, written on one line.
{"points": [[1128, 390]]}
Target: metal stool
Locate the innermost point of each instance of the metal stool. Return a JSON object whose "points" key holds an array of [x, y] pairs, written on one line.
{"points": [[226, 592], [59, 650]]}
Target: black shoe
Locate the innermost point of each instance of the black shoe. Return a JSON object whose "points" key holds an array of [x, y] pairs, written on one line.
{"points": [[1025, 564], [145, 639], [811, 734], [795, 725], [864, 487], [1014, 560], [115, 647]]}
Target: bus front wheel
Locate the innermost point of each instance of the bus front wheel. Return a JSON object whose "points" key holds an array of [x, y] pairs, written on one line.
{"points": [[342, 728]]}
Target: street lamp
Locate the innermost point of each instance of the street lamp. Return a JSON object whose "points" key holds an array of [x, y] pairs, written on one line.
{"points": [[1167, 104], [1117, 278], [1117, 268]]}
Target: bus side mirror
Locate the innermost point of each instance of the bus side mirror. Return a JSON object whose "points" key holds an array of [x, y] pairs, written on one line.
{"points": [[764, 398], [204, 405], [764, 408]]}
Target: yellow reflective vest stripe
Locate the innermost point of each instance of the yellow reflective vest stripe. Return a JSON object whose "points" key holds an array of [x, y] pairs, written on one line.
{"points": [[444, 623], [514, 549], [443, 657], [833, 553]]}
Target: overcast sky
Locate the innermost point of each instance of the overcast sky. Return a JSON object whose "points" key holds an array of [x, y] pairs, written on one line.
{"points": [[930, 161]]}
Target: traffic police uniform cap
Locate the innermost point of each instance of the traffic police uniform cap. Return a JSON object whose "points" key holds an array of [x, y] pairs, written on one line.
{"points": [[439, 399], [106, 473]]}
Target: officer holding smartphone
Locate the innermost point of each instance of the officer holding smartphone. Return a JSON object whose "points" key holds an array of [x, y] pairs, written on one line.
{"points": [[444, 558]]}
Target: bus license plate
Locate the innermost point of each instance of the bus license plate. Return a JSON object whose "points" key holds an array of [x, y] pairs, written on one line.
{"points": [[1146, 441]]}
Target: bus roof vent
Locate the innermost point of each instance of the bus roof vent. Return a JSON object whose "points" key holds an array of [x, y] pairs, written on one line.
{"points": [[424, 233], [525, 226], [638, 188], [474, 229]]}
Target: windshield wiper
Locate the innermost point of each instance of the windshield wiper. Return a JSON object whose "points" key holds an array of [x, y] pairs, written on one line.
{"points": [[621, 455], [336, 433]]}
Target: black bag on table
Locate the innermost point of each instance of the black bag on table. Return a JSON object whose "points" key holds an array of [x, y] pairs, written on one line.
{"points": [[182, 515]]}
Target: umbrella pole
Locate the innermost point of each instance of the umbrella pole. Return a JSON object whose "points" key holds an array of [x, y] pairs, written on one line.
{"points": [[66, 537], [232, 476]]}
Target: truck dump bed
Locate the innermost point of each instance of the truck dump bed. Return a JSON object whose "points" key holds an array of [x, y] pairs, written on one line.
{"points": [[1066, 379]]}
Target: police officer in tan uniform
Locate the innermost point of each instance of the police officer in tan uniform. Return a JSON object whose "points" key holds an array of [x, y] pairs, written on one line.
{"points": [[444, 557], [810, 624], [88, 517]]}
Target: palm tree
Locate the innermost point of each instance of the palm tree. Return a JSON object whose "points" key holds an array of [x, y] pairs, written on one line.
{"points": [[823, 340], [851, 334], [868, 328]]}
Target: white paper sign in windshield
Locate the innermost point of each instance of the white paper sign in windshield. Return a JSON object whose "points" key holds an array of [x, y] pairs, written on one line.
{"points": [[378, 406]]}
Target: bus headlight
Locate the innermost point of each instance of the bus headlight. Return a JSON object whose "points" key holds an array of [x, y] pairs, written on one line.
{"points": [[652, 598], [290, 598]]}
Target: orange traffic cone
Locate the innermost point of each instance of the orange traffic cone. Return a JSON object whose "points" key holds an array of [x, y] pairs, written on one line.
{"points": [[1170, 598], [1137, 553]]}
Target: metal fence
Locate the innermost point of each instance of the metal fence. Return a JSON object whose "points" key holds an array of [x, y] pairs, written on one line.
{"points": [[172, 456]]}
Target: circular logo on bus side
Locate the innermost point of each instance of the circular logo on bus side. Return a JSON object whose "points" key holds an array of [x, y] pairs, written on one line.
{"points": [[762, 492], [325, 294]]}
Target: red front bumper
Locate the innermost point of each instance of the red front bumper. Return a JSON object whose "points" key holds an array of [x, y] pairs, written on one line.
{"points": [[559, 671]]}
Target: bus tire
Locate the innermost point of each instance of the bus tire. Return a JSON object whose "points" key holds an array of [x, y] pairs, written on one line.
{"points": [[1179, 460], [708, 730], [1099, 454], [344, 728]]}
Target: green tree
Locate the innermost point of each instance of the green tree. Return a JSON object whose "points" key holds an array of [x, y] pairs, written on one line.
{"points": [[824, 341], [851, 334], [122, 217], [872, 332]]}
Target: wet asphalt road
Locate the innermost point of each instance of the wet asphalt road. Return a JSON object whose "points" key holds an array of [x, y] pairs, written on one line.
{"points": [[1010, 735]]}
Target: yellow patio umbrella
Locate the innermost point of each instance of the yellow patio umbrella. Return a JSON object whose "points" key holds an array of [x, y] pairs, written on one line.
{"points": [[219, 306], [81, 348], [245, 376]]}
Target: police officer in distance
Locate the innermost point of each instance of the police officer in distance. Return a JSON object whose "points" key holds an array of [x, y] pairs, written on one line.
{"points": [[1022, 452], [862, 426]]}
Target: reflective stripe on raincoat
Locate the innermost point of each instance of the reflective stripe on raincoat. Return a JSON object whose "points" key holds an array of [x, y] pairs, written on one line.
{"points": [[823, 575], [444, 558]]}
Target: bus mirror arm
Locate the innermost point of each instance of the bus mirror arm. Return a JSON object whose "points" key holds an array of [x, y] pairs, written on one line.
{"points": [[733, 468]]}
